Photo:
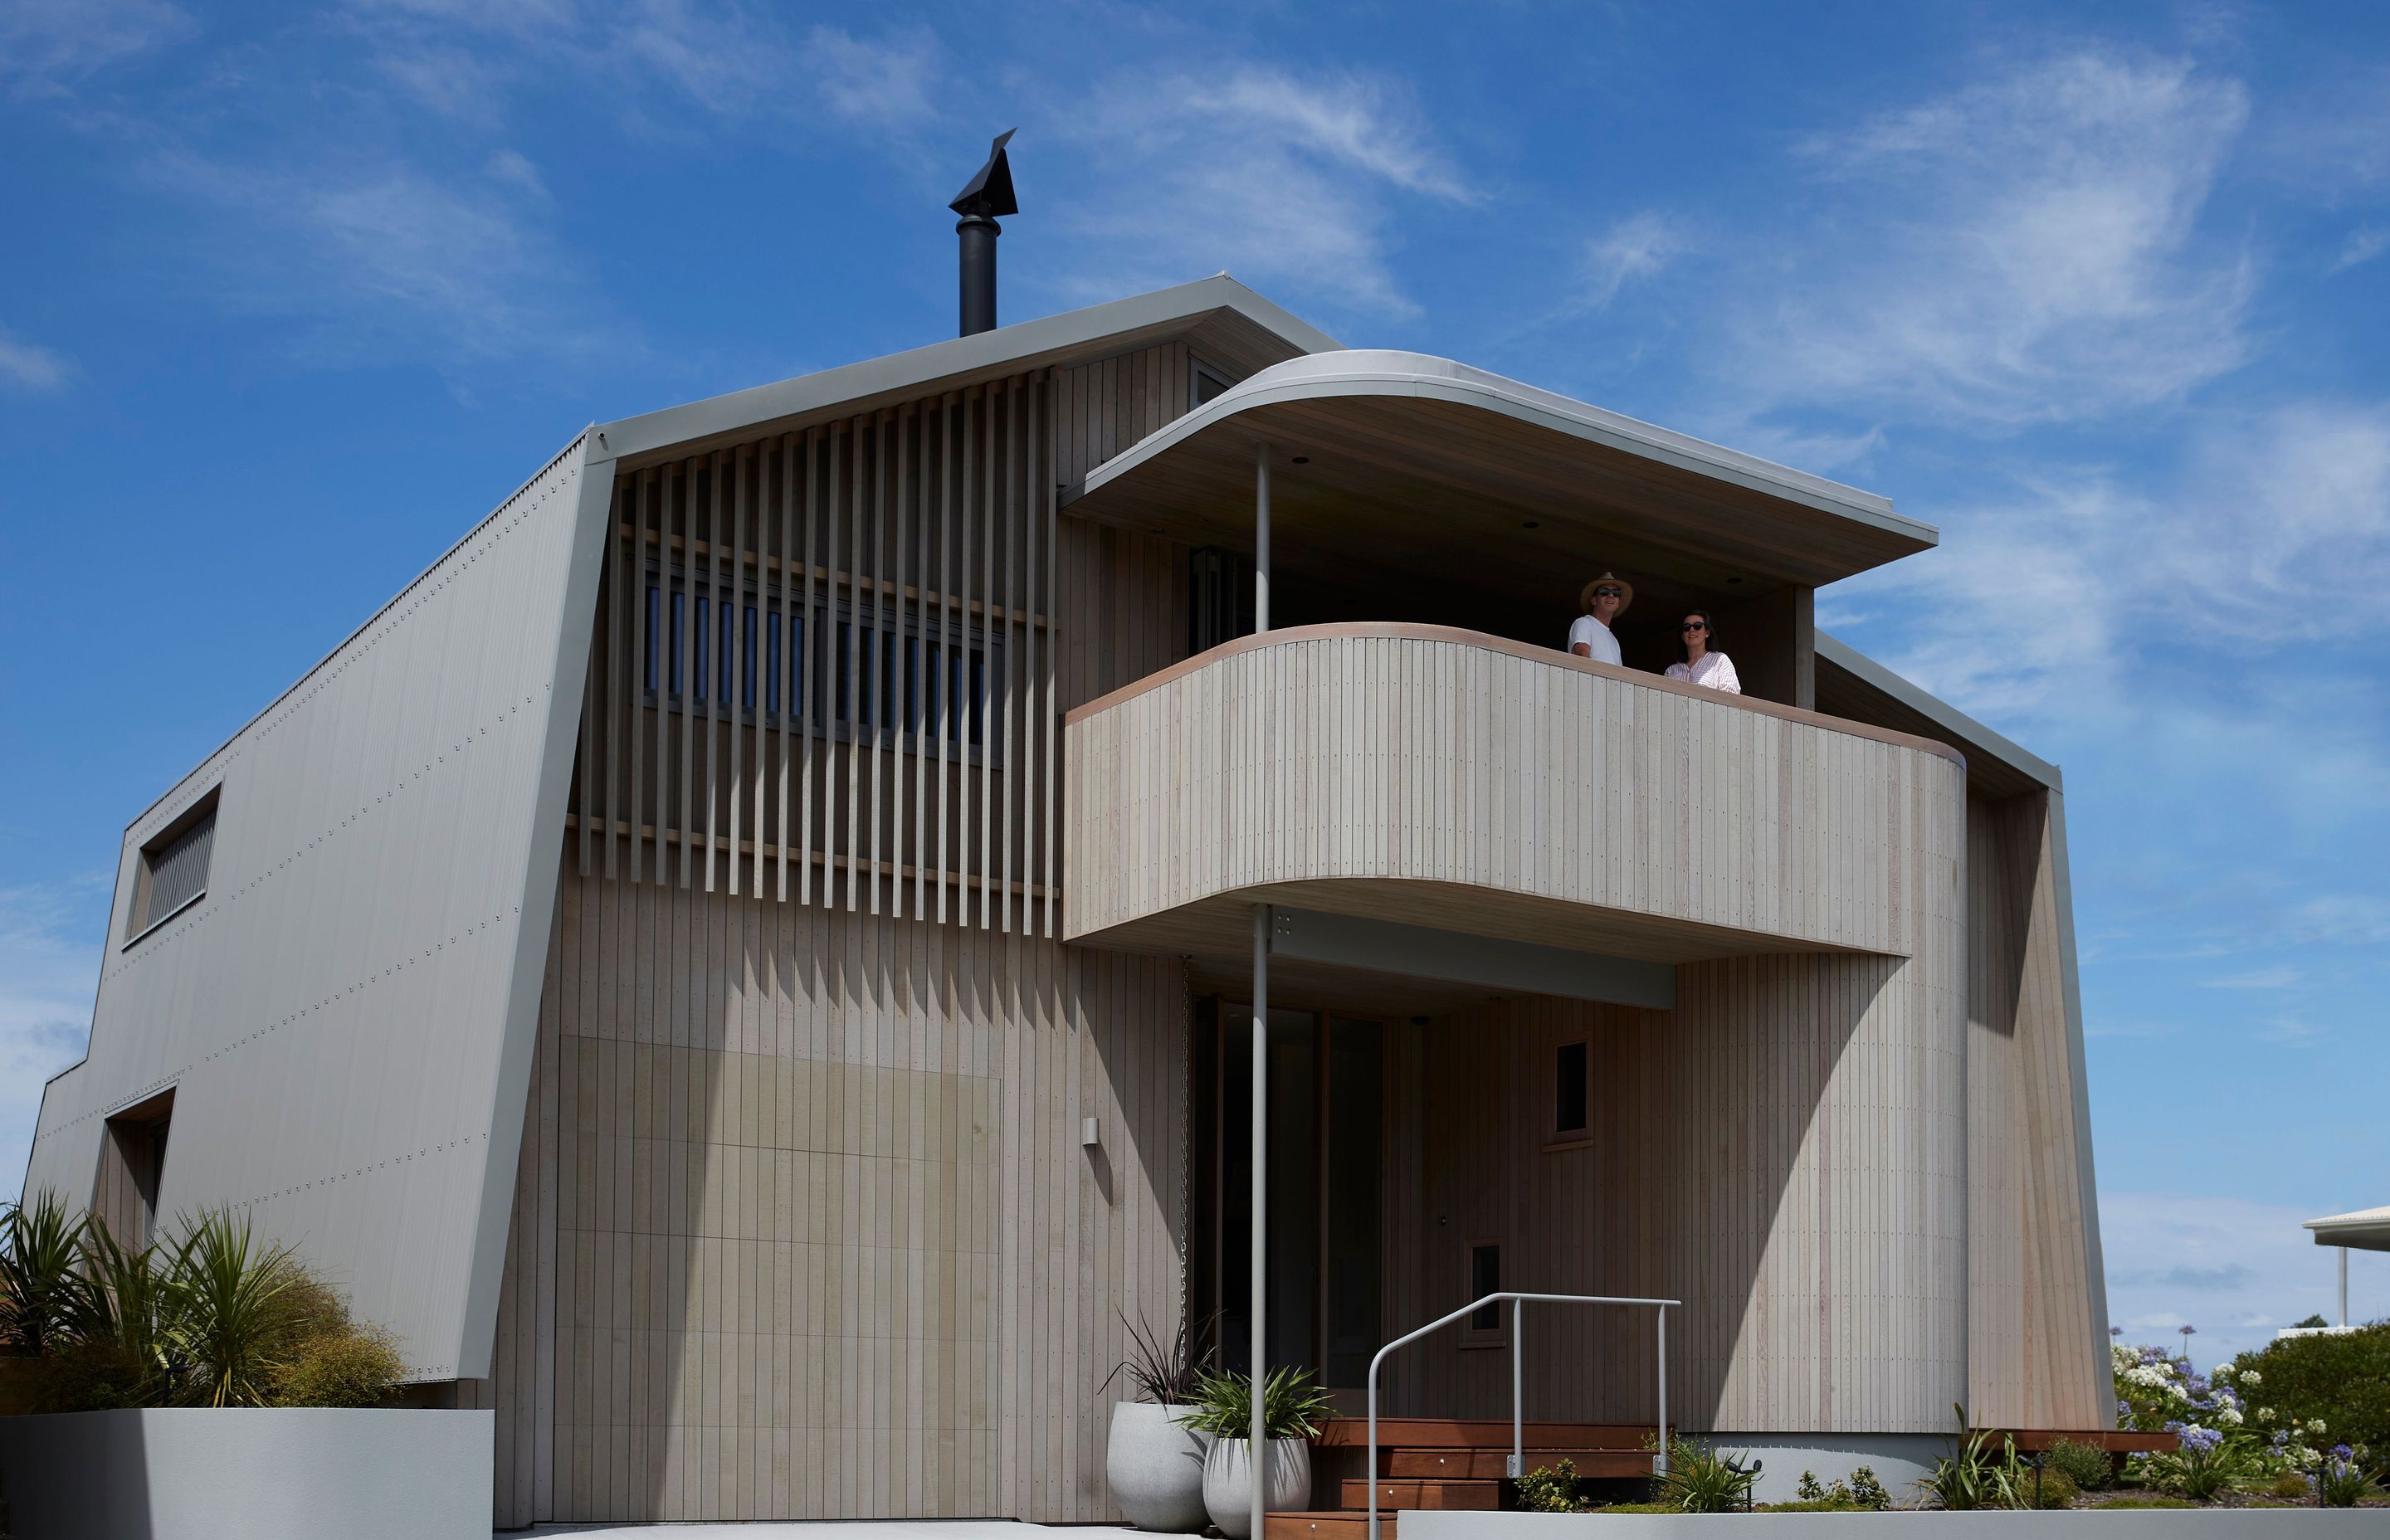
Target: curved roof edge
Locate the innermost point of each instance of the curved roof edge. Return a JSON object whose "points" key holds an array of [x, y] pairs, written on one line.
{"points": [[1385, 372], [901, 372], [2366, 1230]]}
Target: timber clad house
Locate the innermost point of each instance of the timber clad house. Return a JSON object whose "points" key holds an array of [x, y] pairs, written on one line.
{"points": [[748, 963]]}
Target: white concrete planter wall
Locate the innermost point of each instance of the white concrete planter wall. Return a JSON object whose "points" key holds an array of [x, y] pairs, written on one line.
{"points": [[1155, 1467], [196, 1473]]}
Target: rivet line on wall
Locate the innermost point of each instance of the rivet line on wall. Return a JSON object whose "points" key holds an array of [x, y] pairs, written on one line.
{"points": [[200, 914], [365, 1170], [346, 990]]}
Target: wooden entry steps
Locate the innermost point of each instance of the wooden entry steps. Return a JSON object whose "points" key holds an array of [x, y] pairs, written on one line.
{"points": [[1447, 1463]]}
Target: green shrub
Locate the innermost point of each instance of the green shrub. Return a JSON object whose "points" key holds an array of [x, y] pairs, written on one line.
{"points": [[2343, 1382], [2090, 1470], [1640, 1508], [2289, 1488], [93, 1376], [1973, 1475], [1702, 1480], [1551, 1489], [347, 1366], [1292, 1405], [2057, 1489], [2144, 1502], [1863, 1492], [2340, 1482]]}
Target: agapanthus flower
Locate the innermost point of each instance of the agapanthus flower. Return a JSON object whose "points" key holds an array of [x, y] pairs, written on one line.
{"points": [[2251, 1377], [2315, 1425], [2342, 1452]]}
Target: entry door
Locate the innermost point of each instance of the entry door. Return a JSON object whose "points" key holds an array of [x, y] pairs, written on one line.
{"points": [[1323, 1191]]}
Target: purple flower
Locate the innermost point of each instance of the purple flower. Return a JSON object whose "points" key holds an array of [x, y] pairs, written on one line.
{"points": [[2187, 1328], [2342, 1452], [2116, 1331]]}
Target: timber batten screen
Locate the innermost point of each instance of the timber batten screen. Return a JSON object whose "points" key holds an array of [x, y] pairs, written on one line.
{"points": [[825, 666]]}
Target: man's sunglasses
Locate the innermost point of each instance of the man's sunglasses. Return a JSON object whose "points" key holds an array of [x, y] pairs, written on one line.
{"points": [[1610, 593], [1695, 625]]}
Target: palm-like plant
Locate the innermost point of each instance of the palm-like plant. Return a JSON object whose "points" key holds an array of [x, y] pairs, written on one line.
{"points": [[133, 1305], [1703, 1480], [44, 1298], [1971, 1476], [1292, 1405], [228, 1303]]}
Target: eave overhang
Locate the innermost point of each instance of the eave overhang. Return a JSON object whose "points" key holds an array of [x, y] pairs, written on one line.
{"points": [[1457, 469], [2366, 1230]]}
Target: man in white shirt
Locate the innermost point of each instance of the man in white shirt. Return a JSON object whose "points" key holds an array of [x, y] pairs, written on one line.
{"points": [[1605, 599]]}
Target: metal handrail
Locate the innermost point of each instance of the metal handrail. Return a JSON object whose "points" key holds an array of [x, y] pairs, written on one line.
{"points": [[1518, 1380]]}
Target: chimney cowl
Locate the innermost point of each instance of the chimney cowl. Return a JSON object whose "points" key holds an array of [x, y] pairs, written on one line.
{"points": [[985, 197]]}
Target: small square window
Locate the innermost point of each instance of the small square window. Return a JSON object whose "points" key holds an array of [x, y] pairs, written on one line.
{"points": [[1568, 1089], [173, 873]]}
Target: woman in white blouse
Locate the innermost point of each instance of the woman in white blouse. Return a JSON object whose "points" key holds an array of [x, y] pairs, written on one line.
{"points": [[1701, 666]]}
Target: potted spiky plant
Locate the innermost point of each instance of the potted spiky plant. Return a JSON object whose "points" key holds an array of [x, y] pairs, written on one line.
{"points": [[1153, 1462], [1293, 1409]]}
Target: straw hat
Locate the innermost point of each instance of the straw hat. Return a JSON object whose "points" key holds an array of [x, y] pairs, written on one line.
{"points": [[1607, 580]]}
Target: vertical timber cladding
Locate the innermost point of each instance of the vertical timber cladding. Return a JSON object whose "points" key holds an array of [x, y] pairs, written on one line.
{"points": [[2035, 1348], [1819, 1237], [803, 1227]]}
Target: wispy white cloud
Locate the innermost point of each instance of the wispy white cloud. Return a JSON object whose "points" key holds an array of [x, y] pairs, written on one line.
{"points": [[2277, 976], [1282, 178], [887, 81], [50, 46], [2364, 243], [50, 971], [28, 369], [1636, 246], [514, 169], [384, 260], [2022, 249]]}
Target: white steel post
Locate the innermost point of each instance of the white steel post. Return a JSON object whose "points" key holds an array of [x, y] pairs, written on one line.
{"points": [[1260, 547], [1660, 1460], [1259, 1449], [1518, 1391], [2344, 1288]]}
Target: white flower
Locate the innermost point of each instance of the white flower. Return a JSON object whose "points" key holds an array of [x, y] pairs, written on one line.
{"points": [[2315, 1426], [2229, 1416], [2303, 1455], [2251, 1377], [2221, 1374], [2265, 1414]]}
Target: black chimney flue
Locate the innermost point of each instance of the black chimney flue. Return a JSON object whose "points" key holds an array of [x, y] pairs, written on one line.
{"points": [[987, 195]]}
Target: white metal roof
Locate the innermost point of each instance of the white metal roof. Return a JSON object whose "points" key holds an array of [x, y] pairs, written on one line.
{"points": [[2366, 1230]]}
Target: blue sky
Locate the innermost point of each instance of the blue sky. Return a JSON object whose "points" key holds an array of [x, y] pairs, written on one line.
{"points": [[290, 297]]}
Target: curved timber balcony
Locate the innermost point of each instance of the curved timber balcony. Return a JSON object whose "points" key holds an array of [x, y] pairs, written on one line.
{"points": [[1439, 777]]}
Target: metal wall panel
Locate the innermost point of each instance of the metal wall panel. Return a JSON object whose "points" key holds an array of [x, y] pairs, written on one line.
{"points": [[346, 1017]]}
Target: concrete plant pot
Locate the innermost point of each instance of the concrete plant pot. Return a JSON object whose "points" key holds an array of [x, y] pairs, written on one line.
{"points": [[1227, 1483], [1155, 1467]]}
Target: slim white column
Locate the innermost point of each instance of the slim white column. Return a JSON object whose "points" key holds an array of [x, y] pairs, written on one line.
{"points": [[1259, 1449], [2343, 1286], [1260, 551]]}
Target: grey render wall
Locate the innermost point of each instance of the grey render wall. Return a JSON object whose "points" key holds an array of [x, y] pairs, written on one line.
{"points": [[347, 1017]]}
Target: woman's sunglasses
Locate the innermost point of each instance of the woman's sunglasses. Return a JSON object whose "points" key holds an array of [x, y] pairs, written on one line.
{"points": [[1695, 625]]}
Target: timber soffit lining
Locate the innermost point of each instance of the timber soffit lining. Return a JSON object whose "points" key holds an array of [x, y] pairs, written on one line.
{"points": [[1422, 452], [1223, 312]]}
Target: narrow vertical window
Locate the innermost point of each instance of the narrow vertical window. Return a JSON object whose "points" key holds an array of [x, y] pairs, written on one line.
{"points": [[1568, 1089], [1485, 1277]]}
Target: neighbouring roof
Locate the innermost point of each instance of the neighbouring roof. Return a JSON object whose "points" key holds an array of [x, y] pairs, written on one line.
{"points": [[2366, 1230], [1404, 451]]}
